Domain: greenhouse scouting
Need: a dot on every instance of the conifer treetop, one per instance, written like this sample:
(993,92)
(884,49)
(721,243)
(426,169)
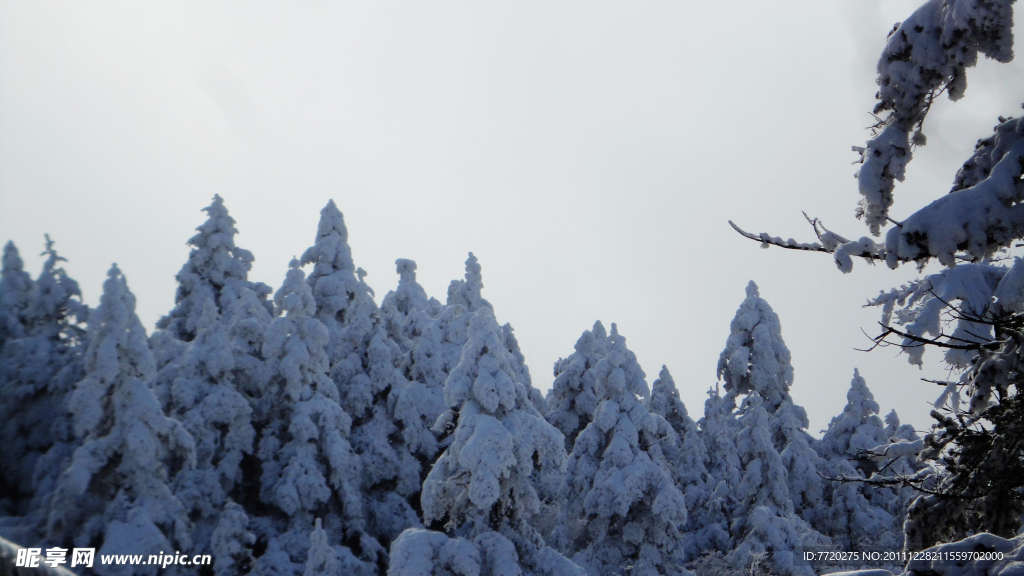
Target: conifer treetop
(409,295)
(57,297)
(858,428)
(483,480)
(468,292)
(215,269)
(15,294)
(756,358)
(126,435)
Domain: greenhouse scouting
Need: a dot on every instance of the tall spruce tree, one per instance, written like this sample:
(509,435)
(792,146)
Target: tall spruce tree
(115,494)
(622,509)
(502,462)
(38,369)
(573,396)
(689,466)
(764,519)
(308,467)
(756,358)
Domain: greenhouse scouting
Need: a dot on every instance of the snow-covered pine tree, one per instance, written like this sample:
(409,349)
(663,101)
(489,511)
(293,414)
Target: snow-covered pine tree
(15,294)
(204,398)
(216,269)
(231,542)
(803,465)
(756,358)
(115,494)
(764,518)
(344,303)
(391,416)
(419,399)
(690,464)
(718,429)
(500,465)
(37,372)
(321,560)
(439,348)
(857,430)
(573,397)
(308,467)
(405,308)
(621,510)
(857,516)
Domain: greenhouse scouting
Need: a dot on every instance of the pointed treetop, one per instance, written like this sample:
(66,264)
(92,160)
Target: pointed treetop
(756,358)
(344,303)
(295,297)
(468,292)
(859,398)
(331,251)
(665,401)
(216,236)
(56,289)
(15,294)
(216,269)
(858,428)
(12,260)
(619,370)
(117,342)
(892,423)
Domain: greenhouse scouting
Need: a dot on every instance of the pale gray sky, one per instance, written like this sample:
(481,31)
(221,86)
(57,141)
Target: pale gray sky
(589,153)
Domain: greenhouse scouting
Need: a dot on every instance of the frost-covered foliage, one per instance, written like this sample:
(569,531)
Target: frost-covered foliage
(15,294)
(622,509)
(977,293)
(38,369)
(756,358)
(504,458)
(231,542)
(216,270)
(308,467)
(858,513)
(503,462)
(439,347)
(718,429)
(405,309)
(391,415)
(690,460)
(205,399)
(344,303)
(926,54)
(764,517)
(857,430)
(802,464)
(574,396)
(115,493)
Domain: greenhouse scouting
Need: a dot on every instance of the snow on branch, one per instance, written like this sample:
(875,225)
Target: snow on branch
(828,241)
(925,55)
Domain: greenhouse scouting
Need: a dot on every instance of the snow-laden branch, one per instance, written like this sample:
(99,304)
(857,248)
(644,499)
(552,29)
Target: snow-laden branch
(925,55)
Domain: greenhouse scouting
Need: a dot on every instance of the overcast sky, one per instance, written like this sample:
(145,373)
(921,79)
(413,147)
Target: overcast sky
(589,153)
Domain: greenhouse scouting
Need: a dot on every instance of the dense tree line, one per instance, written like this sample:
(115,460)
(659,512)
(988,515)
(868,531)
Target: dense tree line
(315,431)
